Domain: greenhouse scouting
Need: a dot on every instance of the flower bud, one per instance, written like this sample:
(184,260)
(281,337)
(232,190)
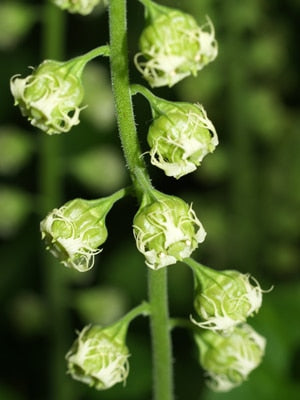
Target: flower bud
(74,232)
(82,7)
(166,230)
(224,299)
(51,95)
(180,137)
(99,356)
(173,45)
(229,360)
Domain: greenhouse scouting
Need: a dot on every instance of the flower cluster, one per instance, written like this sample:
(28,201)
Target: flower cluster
(173,46)
(229,348)
(166,228)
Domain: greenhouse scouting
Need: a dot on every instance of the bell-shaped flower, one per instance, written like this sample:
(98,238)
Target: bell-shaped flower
(173,46)
(228,360)
(223,299)
(166,230)
(74,232)
(51,96)
(180,136)
(99,356)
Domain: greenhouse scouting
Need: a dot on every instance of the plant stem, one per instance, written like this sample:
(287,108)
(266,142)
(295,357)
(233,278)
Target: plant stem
(50,183)
(98,51)
(122,95)
(78,63)
(157,280)
(160,330)
(142,309)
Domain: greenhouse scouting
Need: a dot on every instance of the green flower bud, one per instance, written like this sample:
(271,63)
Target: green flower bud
(180,137)
(166,230)
(224,299)
(74,232)
(82,7)
(229,360)
(99,356)
(51,95)
(173,46)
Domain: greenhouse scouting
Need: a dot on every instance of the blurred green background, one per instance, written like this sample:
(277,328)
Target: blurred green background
(247,195)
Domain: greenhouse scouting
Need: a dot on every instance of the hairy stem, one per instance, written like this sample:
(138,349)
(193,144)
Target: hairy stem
(122,95)
(161,341)
(160,329)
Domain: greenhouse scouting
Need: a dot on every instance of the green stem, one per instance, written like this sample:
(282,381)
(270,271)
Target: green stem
(142,309)
(183,323)
(196,267)
(160,330)
(98,51)
(122,95)
(203,272)
(136,88)
(50,183)
(78,63)
(161,341)
(152,99)
(113,197)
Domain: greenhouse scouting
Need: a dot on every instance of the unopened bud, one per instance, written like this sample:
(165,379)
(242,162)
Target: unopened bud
(228,360)
(173,46)
(74,232)
(99,356)
(224,299)
(50,97)
(180,137)
(166,230)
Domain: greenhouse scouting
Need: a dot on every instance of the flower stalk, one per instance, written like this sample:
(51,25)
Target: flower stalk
(157,280)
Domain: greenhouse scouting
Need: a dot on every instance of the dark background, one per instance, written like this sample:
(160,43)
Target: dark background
(247,195)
